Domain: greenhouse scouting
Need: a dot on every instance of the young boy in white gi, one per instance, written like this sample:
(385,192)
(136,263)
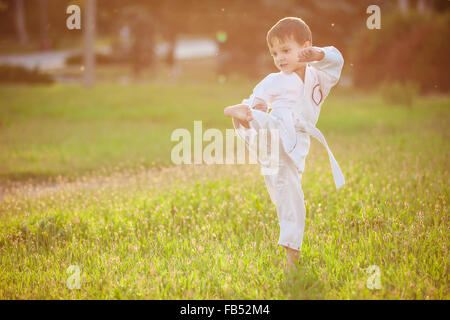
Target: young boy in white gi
(295,96)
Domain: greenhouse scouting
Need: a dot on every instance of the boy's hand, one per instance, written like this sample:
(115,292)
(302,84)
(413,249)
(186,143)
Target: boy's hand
(310,54)
(260,106)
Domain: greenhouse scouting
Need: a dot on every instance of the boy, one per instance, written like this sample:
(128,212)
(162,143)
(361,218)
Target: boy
(295,95)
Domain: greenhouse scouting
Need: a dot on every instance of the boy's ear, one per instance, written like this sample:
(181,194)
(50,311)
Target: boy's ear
(307,44)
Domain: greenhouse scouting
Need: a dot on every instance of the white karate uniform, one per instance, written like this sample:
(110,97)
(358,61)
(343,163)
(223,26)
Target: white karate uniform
(295,110)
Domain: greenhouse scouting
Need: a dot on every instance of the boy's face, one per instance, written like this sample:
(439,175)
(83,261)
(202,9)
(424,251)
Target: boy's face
(285,54)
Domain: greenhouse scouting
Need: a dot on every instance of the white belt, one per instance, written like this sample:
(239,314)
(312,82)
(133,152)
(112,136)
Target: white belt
(306,127)
(295,124)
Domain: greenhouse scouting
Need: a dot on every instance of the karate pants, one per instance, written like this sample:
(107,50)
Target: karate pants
(286,193)
(285,188)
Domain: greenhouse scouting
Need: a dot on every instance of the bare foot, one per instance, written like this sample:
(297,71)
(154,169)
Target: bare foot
(240,111)
(291,258)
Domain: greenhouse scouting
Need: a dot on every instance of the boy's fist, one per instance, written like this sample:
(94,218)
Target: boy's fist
(310,54)
(260,106)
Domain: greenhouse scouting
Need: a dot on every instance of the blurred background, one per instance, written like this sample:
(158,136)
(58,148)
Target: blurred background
(143,40)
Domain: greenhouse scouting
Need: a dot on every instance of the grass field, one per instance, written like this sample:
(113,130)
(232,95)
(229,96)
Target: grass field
(86,180)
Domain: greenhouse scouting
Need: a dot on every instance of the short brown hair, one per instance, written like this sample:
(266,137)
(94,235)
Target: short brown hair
(290,27)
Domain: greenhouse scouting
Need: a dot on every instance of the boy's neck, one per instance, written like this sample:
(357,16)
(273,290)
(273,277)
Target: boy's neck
(301,72)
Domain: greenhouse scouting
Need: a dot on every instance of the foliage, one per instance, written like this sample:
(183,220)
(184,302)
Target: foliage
(100,58)
(18,74)
(408,47)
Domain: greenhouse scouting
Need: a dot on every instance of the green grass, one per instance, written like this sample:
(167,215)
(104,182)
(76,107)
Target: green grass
(63,129)
(139,227)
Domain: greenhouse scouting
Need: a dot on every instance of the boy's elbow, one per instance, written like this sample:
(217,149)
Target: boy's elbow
(339,57)
(334,55)
(340,64)
(341,61)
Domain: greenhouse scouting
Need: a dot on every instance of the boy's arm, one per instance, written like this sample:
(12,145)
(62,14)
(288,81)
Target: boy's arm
(328,61)
(261,105)
(262,95)
(255,103)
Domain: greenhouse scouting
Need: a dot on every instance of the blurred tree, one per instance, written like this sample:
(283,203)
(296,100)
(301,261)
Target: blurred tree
(44,40)
(143,29)
(403,5)
(143,45)
(89,42)
(20,22)
(409,47)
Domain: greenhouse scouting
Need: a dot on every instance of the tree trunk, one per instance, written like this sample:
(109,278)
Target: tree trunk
(44,41)
(403,6)
(422,6)
(20,22)
(89,42)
